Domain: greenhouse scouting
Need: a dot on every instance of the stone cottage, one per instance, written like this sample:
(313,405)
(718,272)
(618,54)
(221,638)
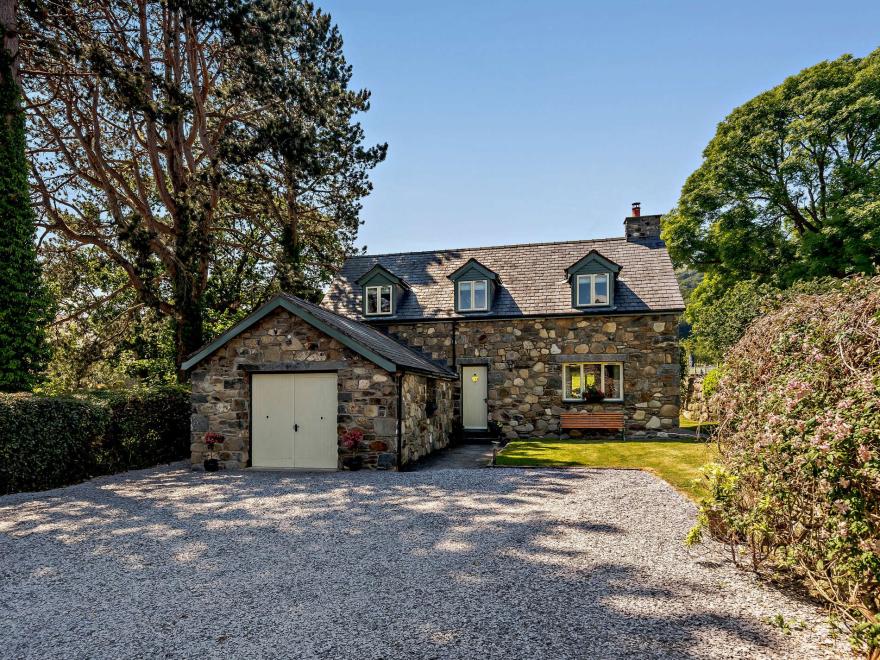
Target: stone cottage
(406,347)
(529,328)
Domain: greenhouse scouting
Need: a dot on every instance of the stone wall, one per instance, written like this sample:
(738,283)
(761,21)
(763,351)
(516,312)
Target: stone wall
(221,389)
(694,405)
(525,356)
(423,433)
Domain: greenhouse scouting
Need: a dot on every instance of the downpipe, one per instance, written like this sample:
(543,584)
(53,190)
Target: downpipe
(399,379)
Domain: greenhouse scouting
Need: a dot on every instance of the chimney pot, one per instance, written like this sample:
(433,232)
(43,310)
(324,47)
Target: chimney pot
(637,209)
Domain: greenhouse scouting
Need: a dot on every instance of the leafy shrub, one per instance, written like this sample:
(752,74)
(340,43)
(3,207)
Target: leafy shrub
(46,442)
(797,487)
(146,428)
(719,316)
(710,382)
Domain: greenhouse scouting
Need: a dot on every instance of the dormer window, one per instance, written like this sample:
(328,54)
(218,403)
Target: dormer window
(383,291)
(472,295)
(592,281)
(474,287)
(380,301)
(592,289)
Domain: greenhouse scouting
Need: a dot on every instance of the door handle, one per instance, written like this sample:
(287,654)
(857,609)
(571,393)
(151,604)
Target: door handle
(295,428)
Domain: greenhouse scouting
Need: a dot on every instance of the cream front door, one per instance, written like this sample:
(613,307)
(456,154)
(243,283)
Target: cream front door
(474,411)
(293,424)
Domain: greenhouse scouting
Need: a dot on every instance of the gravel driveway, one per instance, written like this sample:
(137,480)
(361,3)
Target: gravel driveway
(440,564)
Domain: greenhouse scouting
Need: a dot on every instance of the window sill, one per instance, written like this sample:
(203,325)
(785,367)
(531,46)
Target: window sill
(602,401)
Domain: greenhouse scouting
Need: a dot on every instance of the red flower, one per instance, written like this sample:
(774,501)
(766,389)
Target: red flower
(351,439)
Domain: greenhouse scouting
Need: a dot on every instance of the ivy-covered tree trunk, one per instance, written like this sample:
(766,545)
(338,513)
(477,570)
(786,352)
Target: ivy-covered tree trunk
(189,283)
(22,297)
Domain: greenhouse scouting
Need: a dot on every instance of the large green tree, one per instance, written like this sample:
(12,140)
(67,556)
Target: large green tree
(789,187)
(23,307)
(157,141)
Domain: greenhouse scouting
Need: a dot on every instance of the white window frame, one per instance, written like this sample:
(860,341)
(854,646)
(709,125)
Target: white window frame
(580,365)
(592,278)
(472,308)
(378,289)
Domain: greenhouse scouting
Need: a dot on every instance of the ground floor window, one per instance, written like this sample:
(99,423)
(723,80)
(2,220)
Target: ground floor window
(581,377)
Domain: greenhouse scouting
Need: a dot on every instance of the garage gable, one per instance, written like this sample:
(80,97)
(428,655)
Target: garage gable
(367,342)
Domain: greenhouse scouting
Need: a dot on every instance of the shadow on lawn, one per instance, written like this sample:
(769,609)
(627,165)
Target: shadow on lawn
(385,562)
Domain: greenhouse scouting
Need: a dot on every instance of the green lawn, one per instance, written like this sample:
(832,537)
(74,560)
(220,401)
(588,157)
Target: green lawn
(678,461)
(685,423)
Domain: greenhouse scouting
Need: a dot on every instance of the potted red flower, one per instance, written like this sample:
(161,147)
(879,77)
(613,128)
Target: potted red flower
(212,440)
(350,441)
(591,393)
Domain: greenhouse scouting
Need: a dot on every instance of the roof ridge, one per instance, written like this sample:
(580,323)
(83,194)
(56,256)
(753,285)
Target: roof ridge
(490,247)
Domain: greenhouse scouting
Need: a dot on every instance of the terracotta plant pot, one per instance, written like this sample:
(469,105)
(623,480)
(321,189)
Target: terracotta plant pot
(211,465)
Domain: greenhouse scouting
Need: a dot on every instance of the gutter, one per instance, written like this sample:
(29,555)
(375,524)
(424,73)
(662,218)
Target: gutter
(454,354)
(514,317)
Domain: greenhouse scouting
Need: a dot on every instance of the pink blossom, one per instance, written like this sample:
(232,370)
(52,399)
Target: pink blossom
(796,391)
(841,506)
(864,453)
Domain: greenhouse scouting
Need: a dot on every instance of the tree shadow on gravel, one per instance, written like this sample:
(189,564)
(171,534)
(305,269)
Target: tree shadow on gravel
(451,564)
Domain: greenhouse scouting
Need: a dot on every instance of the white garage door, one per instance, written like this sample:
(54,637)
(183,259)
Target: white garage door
(293,422)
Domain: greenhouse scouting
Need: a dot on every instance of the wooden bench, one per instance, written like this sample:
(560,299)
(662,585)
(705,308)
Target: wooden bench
(605,421)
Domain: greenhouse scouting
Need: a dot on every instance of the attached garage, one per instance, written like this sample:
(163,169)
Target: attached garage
(287,383)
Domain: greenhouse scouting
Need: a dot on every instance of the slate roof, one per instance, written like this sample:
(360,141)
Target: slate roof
(379,342)
(533,279)
(361,338)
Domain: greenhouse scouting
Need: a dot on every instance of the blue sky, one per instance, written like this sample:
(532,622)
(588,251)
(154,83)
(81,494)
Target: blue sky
(515,121)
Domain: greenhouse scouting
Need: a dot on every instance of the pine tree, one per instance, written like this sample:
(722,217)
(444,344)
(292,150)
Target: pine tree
(157,146)
(23,300)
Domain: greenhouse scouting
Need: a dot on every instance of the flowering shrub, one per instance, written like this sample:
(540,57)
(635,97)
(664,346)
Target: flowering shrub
(212,439)
(351,439)
(797,487)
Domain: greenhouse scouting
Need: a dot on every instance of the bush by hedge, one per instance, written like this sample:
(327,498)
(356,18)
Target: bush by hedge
(46,442)
(797,487)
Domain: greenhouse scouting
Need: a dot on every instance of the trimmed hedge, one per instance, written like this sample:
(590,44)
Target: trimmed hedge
(46,442)
(796,490)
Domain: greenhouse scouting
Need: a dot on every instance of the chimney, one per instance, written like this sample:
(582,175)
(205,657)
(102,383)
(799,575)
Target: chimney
(642,228)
